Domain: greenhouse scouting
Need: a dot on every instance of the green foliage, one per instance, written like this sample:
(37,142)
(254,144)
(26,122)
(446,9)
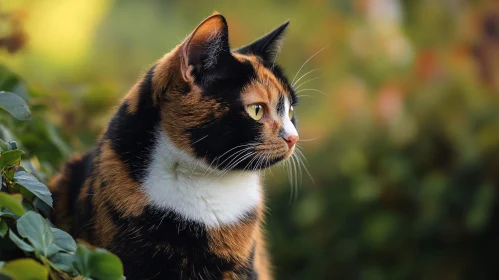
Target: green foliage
(11,203)
(25,232)
(14,105)
(98,264)
(30,185)
(403,146)
(25,269)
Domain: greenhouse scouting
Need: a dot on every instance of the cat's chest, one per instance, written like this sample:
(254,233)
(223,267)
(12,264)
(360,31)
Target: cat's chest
(211,201)
(178,183)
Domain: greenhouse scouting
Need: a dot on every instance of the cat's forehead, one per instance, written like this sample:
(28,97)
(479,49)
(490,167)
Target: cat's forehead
(266,87)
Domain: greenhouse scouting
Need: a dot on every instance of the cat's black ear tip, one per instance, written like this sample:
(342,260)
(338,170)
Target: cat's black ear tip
(280,31)
(284,25)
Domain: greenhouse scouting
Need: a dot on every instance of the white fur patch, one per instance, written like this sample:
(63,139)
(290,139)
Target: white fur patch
(177,181)
(288,127)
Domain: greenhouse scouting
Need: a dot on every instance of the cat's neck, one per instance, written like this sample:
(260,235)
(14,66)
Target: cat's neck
(178,182)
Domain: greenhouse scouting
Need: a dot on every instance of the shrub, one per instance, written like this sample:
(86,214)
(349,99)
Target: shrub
(30,246)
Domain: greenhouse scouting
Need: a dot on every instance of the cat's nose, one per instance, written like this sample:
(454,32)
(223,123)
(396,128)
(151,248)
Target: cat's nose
(291,140)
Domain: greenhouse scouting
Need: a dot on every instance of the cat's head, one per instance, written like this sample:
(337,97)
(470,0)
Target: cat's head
(231,109)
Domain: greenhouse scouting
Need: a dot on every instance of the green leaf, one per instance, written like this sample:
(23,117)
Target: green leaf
(9,177)
(99,264)
(80,261)
(105,265)
(42,207)
(21,90)
(63,261)
(10,158)
(4,146)
(7,213)
(52,249)
(20,243)
(15,105)
(25,269)
(34,186)
(3,228)
(36,229)
(12,202)
(63,240)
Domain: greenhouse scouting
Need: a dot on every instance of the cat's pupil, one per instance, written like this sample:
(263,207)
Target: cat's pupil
(257,109)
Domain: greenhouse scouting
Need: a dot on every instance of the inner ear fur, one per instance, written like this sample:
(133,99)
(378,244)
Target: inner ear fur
(203,49)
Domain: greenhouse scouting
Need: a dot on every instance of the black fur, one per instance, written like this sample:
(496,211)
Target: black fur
(267,46)
(132,135)
(80,170)
(160,244)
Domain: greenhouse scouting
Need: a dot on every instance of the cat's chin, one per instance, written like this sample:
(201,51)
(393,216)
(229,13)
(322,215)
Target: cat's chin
(277,159)
(259,161)
(255,165)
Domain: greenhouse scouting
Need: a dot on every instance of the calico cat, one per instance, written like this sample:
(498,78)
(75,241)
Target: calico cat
(173,186)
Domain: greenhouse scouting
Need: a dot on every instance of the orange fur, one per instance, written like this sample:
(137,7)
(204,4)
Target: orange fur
(262,260)
(123,192)
(106,230)
(235,242)
(132,98)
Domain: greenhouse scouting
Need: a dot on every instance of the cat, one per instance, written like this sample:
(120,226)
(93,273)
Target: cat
(173,186)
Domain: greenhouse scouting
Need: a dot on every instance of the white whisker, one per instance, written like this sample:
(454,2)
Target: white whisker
(295,178)
(306,82)
(241,159)
(304,75)
(199,139)
(288,168)
(300,153)
(307,140)
(310,89)
(305,64)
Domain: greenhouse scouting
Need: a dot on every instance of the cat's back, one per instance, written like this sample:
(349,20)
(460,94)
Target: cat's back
(66,188)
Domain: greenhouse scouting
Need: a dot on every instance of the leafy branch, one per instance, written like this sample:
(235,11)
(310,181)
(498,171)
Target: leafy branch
(30,246)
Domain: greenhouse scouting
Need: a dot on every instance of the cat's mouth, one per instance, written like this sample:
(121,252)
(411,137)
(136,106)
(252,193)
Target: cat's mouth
(253,158)
(273,154)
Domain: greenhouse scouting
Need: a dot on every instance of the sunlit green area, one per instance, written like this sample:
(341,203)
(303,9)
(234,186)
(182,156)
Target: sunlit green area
(398,116)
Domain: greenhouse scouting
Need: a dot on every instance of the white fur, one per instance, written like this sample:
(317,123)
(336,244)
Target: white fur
(288,127)
(177,181)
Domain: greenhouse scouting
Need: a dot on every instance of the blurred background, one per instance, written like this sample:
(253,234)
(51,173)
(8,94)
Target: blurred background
(402,145)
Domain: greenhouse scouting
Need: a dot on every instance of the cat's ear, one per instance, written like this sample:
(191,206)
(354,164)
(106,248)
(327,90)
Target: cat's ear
(206,47)
(267,46)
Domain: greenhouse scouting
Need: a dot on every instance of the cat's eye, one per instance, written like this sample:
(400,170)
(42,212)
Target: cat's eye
(255,111)
(290,113)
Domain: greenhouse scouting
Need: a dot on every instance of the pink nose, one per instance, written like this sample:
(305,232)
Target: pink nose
(291,140)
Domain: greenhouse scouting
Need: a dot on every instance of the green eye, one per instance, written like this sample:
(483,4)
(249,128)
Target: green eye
(290,113)
(255,111)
